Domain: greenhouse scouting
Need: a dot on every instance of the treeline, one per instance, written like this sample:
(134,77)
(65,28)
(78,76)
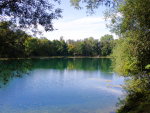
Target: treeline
(16,43)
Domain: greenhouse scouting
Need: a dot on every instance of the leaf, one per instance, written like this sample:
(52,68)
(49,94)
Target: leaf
(147,67)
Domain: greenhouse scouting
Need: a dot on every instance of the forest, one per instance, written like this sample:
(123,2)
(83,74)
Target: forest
(16,44)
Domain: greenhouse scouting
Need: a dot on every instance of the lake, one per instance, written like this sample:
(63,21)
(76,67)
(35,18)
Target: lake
(59,85)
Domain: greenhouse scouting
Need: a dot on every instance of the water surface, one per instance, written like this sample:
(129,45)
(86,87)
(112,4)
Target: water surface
(59,86)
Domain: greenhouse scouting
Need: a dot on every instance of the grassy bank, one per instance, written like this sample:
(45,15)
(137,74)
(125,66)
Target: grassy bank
(56,57)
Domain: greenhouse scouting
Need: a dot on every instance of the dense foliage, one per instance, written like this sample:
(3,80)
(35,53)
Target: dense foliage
(27,13)
(11,42)
(132,53)
(16,43)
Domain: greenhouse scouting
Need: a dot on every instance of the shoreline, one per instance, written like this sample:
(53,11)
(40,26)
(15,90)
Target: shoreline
(55,57)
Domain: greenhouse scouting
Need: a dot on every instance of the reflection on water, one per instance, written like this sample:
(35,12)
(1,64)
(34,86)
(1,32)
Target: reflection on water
(16,68)
(13,68)
(58,85)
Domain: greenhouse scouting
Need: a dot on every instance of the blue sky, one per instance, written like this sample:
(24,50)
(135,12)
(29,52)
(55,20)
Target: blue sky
(75,24)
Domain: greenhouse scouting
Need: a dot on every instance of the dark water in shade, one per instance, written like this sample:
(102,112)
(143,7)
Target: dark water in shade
(59,86)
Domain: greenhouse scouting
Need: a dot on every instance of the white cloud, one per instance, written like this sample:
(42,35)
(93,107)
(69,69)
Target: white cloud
(79,29)
(86,20)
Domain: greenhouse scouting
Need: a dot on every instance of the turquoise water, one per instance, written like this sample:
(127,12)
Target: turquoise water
(59,86)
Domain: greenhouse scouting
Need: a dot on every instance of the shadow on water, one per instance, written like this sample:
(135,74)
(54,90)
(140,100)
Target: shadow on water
(13,68)
(17,68)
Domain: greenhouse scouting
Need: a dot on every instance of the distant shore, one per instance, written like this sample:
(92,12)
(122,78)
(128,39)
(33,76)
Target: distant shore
(56,57)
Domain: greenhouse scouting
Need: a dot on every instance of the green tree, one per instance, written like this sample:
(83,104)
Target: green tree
(78,47)
(11,41)
(107,43)
(134,30)
(61,47)
(106,37)
(30,12)
(31,46)
(71,49)
(132,53)
(90,47)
